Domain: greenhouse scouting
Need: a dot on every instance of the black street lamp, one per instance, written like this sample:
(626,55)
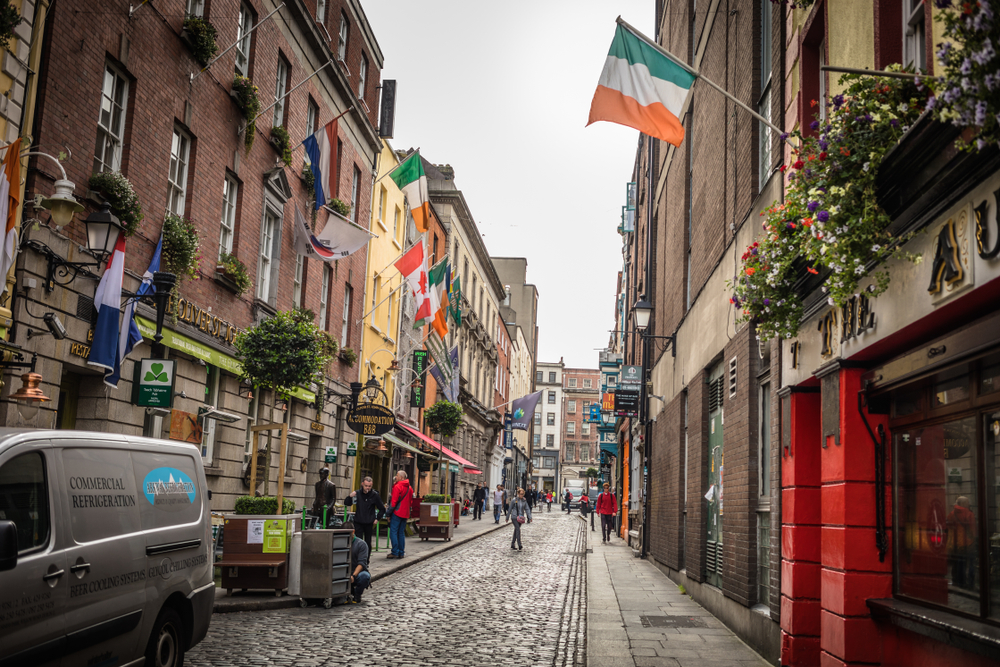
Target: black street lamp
(163,284)
(103,229)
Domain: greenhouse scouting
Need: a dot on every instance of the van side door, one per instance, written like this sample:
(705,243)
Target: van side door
(33,593)
(107,556)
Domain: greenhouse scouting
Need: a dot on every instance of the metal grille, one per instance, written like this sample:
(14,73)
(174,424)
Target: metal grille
(715,389)
(85,308)
(732,377)
(712,556)
(763,558)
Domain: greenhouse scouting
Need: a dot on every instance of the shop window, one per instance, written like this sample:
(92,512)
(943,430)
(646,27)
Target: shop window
(989,376)
(210,426)
(111,121)
(24,499)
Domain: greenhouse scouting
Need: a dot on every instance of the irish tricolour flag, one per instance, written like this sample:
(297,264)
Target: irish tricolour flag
(410,178)
(641,88)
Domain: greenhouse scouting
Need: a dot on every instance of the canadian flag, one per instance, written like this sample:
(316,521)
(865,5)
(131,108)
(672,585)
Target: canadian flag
(413,266)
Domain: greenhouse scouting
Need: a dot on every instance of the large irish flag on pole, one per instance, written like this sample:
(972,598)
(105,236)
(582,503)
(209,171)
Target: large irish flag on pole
(410,178)
(641,88)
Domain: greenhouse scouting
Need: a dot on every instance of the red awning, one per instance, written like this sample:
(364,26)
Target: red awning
(469,466)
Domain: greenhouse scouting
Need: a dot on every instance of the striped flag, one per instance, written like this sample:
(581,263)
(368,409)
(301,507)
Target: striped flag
(108,301)
(437,285)
(410,178)
(10,196)
(129,336)
(413,266)
(641,88)
(322,151)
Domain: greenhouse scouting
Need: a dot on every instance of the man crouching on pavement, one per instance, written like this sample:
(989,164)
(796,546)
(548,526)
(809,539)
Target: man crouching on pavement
(360,577)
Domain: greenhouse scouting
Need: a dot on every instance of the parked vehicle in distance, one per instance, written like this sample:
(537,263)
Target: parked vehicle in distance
(104,549)
(577,487)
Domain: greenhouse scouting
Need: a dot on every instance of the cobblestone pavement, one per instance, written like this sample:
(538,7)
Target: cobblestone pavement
(479,604)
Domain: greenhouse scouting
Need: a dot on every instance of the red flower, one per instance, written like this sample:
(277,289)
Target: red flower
(813,103)
(845,152)
(783,168)
(822,156)
(798,164)
(807,222)
(751,271)
(812,271)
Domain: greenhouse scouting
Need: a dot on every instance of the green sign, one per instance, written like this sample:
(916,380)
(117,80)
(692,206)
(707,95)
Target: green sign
(331,455)
(352,448)
(153,383)
(275,536)
(453,468)
(444,513)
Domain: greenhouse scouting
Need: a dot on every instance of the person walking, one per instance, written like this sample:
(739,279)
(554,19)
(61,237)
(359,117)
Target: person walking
(361,578)
(520,513)
(399,512)
(548,500)
(370,509)
(607,507)
(498,502)
(568,497)
(479,499)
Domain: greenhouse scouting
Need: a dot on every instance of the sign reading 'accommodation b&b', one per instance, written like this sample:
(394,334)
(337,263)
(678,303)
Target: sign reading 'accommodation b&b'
(153,383)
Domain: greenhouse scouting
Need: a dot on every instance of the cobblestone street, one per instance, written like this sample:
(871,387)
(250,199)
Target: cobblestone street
(478,604)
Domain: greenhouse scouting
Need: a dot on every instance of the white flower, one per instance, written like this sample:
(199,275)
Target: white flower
(831,301)
(876,247)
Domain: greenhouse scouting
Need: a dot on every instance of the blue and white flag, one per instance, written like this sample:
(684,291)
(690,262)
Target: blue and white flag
(130,336)
(108,301)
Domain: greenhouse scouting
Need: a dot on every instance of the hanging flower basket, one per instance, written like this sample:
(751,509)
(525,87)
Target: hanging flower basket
(235,273)
(115,189)
(282,143)
(340,207)
(181,243)
(200,36)
(246,96)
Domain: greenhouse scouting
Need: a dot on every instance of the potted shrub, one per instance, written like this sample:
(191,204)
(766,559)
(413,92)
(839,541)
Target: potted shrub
(115,189)
(262,505)
(247,99)
(282,143)
(340,207)
(180,246)
(233,271)
(200,37)
(348,356)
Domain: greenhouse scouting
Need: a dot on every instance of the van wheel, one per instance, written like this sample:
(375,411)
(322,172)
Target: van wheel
(166,642)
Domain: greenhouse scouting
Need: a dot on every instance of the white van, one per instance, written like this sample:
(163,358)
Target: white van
(104,549)
(577,487)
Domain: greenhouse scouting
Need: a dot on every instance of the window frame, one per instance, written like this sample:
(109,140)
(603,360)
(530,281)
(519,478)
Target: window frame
(363,77)
(300,264)
(343,37)
(213,381)
(107,133)
(345,331)
(281,73)
(230,206)
(244,39)
(324,297)
(267,286)
(176,180)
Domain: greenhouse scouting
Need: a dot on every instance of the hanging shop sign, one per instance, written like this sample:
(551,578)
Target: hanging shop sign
(153,383)
(631,377)
(627,402)
(331,455)
(595,413)
(608,402)
(352,448)
(371,419)
(630,196)
(419,367)
(185,427)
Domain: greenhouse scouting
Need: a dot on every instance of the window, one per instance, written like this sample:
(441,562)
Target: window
(195,8)
(570,428)
(376,288)
(571,451)
(689,137)
(945,433)
(280,88)
(324,297)
(23,477)
(550,440)
(552,397)
(536,461)
(586,407)
(538,376)
(764,104)
(552,376)
(180,153)
(536,439)
(297,283)
(312,116)
(345,328)
(914,41)
(538,419)
(381,205)
(549,462)
(210,425)
(230,191)
(355,194)
(342,38)
(764,437)
(388,318)
(571,407)
(320,11)
(267,264)
(587,383)
(396,227)
(572,383)
(111,122)
(764,495)
(243,40)
(550,419)
(612,381)
(362,76)
(585,428)
(584,451)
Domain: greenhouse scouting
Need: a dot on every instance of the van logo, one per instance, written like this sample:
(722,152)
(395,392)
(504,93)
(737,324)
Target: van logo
(167,486)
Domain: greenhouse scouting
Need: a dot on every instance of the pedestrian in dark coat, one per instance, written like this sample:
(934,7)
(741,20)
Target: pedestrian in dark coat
(370,509)
(478,500)
(520,512)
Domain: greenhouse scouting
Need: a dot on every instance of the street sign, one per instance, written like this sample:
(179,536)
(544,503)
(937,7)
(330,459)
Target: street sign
(627,403)
(352,448)
(153,383)
(631,377)
(331,455)
(371,419)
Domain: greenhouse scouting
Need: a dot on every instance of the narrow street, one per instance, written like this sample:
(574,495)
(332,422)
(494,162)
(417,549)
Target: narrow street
(478,604)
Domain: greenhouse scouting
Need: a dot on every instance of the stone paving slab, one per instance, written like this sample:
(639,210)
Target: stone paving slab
(623,590)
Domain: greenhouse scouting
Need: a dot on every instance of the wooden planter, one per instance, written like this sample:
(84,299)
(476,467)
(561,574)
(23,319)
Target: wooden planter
(245,564)
(431,526)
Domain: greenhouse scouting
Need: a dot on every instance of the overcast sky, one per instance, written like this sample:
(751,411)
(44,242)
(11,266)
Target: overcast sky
(501,91)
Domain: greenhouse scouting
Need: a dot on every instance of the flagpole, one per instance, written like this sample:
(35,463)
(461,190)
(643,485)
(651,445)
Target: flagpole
(375,307)
(702,77)
(341,115)
(399,256)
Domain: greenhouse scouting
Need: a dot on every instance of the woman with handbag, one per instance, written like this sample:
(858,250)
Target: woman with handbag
(520,513)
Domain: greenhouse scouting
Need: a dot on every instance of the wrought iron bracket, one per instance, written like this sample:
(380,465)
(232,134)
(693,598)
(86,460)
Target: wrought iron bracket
(61,272)
(881,539)
(17,360)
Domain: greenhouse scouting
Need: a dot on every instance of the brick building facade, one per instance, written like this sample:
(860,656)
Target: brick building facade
(580,388)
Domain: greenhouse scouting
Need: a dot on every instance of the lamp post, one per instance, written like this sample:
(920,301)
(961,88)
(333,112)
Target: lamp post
(163,284)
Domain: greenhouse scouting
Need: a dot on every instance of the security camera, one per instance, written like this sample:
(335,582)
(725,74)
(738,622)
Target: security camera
(55,326)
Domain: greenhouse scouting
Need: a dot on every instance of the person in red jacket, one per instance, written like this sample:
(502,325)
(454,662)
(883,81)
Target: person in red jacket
(399,510)
(607,507)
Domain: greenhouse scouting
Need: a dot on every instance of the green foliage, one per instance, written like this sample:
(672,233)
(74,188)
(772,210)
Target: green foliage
(282,352)
(203,35)
(309,182)
(180,246)
(118,192)
(237,272)
(968,95)
(444,417)
(349,357)
(283,142)
(248,100)
(267,505)
(681,589)
(593,473)
(9,20)
(340,207)
(830,218)
(436,498)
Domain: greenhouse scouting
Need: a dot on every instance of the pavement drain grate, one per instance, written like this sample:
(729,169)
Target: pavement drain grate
(671,622)
(577,553)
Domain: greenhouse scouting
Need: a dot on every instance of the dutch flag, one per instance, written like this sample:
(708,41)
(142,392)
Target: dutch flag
(130,336)
(108,301)
(322,151)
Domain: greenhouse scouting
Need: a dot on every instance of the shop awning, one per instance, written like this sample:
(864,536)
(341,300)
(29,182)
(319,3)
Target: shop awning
(469,466)
(611,448)
(400,443)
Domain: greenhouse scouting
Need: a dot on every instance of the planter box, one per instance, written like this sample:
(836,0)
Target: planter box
(246,564)
(431,526)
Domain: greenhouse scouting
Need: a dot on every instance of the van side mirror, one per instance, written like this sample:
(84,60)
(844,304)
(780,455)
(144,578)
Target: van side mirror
(8,545)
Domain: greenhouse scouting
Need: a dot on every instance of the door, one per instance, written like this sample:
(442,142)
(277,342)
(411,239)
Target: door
(716,465)
(33,593)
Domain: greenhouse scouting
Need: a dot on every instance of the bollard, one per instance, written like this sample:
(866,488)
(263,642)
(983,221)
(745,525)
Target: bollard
(324,517)
(376,535)
(303,517)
